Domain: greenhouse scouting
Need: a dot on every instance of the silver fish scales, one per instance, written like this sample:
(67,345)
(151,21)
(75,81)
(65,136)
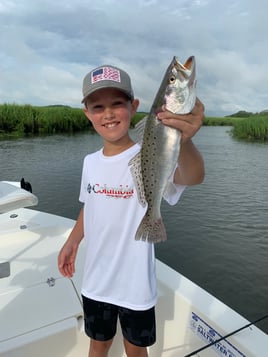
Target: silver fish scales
(160,146)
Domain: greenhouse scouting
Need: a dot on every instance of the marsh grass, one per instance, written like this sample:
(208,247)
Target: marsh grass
(254,128)
(251,128)
(23,120)
(220,121)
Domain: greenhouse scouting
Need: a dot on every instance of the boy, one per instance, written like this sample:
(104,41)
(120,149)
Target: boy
(119,275)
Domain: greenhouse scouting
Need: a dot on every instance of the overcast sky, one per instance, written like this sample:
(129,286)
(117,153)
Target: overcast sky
(47,47)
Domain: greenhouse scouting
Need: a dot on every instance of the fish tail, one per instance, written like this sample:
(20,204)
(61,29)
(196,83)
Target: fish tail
(151,231)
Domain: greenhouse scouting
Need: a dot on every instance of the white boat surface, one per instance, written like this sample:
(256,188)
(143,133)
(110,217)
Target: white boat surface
(41,312)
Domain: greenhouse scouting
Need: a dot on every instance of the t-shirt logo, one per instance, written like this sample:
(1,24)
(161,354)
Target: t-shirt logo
(123,191)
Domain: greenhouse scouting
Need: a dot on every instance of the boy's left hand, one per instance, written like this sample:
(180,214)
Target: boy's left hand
(188,124)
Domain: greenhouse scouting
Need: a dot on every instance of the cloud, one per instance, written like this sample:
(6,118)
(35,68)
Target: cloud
(47,47)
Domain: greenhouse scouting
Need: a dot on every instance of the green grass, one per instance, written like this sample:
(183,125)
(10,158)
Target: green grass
(254,128)
(25,120)
(137,117)
(220,121)
(251,128)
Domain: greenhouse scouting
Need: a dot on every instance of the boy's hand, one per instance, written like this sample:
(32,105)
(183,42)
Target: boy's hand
(188,124)
(66,260)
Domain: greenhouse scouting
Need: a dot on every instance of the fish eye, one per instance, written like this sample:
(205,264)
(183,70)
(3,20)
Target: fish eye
(172,79)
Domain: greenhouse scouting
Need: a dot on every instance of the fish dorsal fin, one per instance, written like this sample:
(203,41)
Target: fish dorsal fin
(139,129)
(135,169)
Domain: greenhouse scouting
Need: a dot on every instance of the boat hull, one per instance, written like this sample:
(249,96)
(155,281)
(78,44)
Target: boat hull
(41,312)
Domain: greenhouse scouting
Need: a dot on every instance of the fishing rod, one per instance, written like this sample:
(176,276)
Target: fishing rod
(228,335)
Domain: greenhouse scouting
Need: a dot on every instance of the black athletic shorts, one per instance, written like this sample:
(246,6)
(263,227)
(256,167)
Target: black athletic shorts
(138,327)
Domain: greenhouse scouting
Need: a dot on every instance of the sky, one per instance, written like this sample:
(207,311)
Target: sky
(48,46)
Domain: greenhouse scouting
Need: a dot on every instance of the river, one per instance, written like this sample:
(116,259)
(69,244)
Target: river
(217,233)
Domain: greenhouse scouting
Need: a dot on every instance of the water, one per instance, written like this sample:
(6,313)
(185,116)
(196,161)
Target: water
(217,234)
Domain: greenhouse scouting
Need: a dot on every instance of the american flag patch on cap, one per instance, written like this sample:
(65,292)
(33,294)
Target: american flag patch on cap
(105,73)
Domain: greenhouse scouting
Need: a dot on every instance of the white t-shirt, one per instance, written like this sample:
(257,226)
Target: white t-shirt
(118,269)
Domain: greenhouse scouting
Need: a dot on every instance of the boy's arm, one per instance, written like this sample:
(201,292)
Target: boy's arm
(67,255)
(191,170)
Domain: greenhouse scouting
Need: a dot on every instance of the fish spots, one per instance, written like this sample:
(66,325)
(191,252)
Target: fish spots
(160,146)
(135,168)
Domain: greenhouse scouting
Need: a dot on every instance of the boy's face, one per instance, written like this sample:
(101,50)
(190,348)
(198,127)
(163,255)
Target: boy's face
(110,112)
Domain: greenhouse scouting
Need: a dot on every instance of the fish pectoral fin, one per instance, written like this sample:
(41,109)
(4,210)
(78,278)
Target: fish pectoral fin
(151,231)
(135,169)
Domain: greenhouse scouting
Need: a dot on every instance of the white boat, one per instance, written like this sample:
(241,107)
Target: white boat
(41,312)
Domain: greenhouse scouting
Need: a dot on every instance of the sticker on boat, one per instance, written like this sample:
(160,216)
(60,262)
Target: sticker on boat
(207,333)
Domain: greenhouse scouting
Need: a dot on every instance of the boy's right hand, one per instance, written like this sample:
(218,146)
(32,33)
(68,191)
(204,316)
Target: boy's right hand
(66,259)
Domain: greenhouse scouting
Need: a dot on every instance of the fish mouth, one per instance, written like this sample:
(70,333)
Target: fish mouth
(184,71)
(187,66)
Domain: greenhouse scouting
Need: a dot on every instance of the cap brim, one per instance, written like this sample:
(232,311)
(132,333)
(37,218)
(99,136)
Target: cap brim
(107,86)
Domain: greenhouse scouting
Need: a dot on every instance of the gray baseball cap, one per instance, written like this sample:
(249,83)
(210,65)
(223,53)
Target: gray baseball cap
(107,76)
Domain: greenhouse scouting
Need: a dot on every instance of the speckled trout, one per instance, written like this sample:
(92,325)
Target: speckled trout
(160,146)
